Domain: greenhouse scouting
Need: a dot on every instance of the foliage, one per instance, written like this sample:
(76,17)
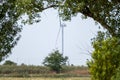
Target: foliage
(8,62)
(11,12)
(105,57)
(9,29)
(105,12)
(30,8)
(108,17)
(55,61)
(117,74)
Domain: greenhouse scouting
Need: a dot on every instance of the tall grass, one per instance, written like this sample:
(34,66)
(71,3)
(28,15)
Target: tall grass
(72,78)
(41,71)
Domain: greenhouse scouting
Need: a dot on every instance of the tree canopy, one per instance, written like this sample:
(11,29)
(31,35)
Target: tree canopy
(55,61)
(105,57)
(105,12)
(9,29)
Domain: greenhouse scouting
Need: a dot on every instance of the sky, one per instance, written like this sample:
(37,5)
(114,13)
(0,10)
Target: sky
(40,39)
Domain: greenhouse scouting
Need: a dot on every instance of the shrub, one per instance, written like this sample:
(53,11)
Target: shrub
(105,58)
(55,61)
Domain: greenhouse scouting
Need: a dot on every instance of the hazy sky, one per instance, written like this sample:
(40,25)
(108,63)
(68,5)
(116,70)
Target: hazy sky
(38,40)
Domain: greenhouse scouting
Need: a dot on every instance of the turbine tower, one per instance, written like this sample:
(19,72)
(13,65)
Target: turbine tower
(62,25)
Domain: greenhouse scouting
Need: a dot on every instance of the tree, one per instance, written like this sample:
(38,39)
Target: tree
(8,62)
(11,12)
(55,61)
(105,57)
(9,29)
(105,12)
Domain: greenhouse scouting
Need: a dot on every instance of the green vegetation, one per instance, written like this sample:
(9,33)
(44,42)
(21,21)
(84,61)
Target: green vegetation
(105,57)
(55,61)
(41,71)
(117,74)
(9,29)
(72,78)
(22,71)
(8,62)
(105,12)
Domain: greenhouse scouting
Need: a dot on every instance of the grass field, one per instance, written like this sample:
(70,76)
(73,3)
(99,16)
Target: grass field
(74,78)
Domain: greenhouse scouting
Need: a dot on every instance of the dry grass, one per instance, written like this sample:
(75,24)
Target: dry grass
(74,78)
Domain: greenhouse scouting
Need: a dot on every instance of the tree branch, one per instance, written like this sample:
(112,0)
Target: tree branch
(51,6)
(86,11)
